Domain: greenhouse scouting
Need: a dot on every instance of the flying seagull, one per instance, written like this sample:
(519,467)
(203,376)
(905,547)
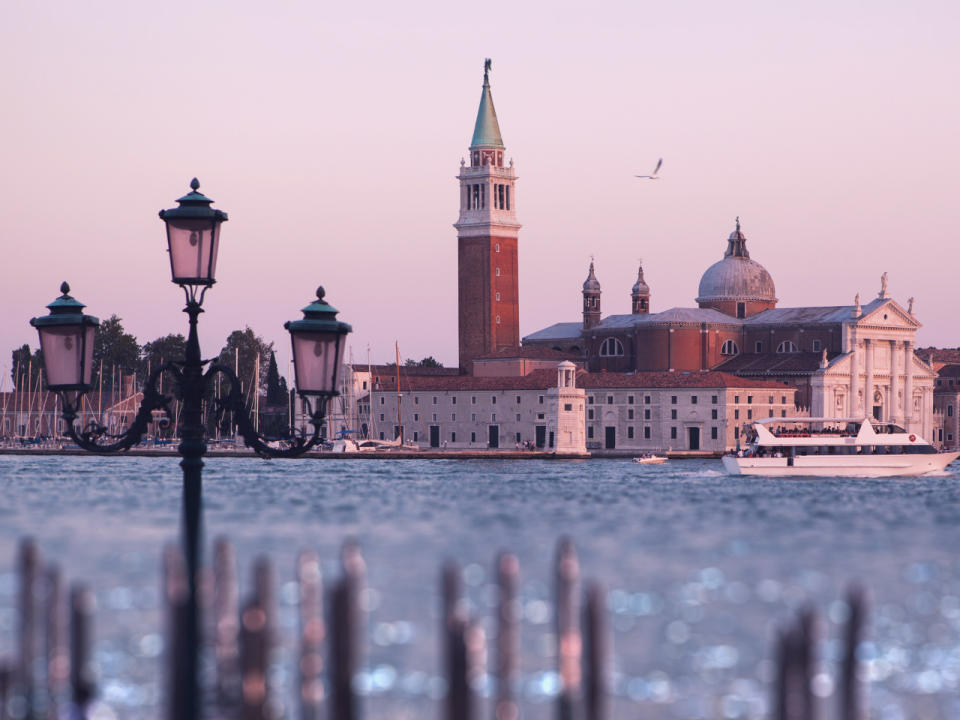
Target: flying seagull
(655,171)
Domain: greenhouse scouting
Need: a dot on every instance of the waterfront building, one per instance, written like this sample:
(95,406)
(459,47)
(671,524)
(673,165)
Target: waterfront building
(544,408)
(566,410)
(946,395)
(487,231)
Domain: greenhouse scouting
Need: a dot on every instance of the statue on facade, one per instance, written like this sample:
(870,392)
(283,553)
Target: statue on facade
(883,286)
(856,306)
(910,306)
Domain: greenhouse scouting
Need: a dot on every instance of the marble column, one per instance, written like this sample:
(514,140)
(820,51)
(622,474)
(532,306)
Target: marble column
(868,381)
(893,411)
(908,385)
(854,381)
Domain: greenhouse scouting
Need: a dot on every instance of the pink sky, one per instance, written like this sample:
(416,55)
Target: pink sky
(332,134)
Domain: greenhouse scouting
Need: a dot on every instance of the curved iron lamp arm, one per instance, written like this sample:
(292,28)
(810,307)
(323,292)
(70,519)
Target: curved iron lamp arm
(296,443)
(89,438)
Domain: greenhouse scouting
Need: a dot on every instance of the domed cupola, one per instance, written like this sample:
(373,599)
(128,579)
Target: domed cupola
(737,285)
(640,294)
(591,300)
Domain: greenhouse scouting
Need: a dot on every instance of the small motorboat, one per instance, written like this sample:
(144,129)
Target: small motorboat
(650,459)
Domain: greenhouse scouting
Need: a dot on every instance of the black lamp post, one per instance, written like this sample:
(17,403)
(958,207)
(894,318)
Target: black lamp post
(66,338)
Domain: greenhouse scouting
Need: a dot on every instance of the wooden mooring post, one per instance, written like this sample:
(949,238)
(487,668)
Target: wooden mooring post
(509,614)
(312,636)
(569,641)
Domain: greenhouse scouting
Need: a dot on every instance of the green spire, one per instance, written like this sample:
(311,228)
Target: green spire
(486,132)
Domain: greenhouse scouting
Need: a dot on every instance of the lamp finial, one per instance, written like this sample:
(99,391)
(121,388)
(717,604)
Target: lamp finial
(320,293)
(65,288)
(194,184)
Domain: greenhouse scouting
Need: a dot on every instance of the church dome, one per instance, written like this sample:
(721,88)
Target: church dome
(640,287)
(591,284)
(736,277)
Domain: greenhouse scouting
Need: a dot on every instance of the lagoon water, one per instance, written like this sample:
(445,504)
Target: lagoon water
(700,568)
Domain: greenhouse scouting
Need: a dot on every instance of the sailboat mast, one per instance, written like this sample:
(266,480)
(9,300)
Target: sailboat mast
(396,346)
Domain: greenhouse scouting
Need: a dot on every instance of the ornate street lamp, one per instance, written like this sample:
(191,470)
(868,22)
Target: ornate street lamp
(66,338)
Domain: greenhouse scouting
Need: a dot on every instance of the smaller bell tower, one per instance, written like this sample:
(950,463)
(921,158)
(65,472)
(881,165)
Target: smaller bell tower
(640,294)
(591,300)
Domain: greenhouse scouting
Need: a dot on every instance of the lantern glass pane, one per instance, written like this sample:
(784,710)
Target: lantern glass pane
(316,360)
(91,332)
(62,347)
(193,249)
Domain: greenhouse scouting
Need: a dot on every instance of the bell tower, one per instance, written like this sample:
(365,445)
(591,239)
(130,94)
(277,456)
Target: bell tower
(487,229)
(591,300)
(640,294)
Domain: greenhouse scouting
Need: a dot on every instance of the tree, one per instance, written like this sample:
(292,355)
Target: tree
(427,362)
(23,362)
(117,350)
(240,353)
(162,350)
(276,385)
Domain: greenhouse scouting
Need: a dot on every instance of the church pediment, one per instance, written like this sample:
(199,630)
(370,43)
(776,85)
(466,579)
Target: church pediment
(887,314)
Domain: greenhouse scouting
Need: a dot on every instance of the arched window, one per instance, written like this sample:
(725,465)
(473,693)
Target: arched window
(729,348)
(611,347)
(787,346)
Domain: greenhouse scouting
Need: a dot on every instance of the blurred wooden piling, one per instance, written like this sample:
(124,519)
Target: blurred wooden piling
(569,643)
(852,700)
(57,649)
(83,673)
(226,613)
(454,651)
(346,625)
(29,569)
(176,603)
(596,651)
(264,596)
(312,635)
(6,687)
(254,651)
(509,613)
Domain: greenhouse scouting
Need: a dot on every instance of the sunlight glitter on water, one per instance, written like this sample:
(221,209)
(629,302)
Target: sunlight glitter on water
(700,567)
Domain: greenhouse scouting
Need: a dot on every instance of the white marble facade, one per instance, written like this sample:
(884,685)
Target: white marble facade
(878,374)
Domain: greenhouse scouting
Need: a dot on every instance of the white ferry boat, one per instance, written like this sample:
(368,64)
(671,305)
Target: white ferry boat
(834,447)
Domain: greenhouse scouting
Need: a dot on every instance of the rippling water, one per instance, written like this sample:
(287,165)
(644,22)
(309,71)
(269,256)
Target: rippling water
(700,567)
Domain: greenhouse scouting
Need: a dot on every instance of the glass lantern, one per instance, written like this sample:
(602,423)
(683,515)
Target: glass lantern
(193,238)
(66,340)
(318,341)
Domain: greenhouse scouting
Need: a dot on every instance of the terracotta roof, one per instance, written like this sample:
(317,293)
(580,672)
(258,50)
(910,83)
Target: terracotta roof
(951,371)
(405,370)
(797,363)
(545,379)
(531,352)
(537,380)
(698,379)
